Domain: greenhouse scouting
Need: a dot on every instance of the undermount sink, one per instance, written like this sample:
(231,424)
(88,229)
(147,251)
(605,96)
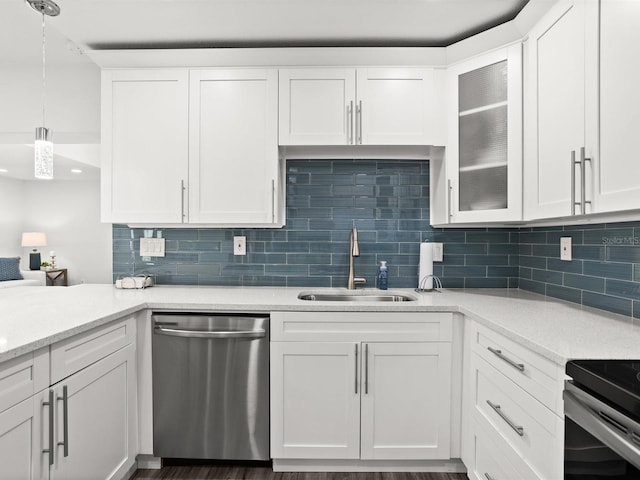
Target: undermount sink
(356,297)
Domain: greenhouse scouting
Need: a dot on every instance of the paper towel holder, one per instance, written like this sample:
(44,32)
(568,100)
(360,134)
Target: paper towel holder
(436,282)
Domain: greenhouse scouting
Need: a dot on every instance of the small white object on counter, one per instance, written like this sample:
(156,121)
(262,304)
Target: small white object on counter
(425,267)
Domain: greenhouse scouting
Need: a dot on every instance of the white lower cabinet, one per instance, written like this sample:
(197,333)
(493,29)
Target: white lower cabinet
(362,398)
(100,441)
(315,400)
(21,432)
(515,428)
(83,427)
(405,401)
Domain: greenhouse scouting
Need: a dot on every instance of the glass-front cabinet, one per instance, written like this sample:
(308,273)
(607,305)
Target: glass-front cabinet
(483,155)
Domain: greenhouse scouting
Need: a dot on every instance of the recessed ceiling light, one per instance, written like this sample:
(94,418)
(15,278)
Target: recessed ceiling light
(76,170)
(4,170)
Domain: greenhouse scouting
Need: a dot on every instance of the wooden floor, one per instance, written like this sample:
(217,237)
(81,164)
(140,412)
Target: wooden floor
(235,472)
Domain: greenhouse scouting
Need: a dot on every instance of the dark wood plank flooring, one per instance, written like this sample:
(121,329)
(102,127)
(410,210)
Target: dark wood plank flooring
(239,472)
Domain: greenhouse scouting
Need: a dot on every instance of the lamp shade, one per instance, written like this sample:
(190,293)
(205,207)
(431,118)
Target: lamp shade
(34,239)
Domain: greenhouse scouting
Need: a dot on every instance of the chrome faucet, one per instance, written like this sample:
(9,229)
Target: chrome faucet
(354,251)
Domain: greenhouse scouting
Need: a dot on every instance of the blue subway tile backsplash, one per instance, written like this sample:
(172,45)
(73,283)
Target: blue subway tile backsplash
(605,259)
(388,201)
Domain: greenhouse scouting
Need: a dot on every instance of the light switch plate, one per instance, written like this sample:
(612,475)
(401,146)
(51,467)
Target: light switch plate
(438,252)
(565,248)
(239,245)
(152,247)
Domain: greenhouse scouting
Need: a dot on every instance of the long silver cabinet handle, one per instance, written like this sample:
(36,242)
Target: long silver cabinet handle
(359,121)
(356,367)
(449,199)
(496,408)
(366,369)
(350,120)
(65,420)
(273,201)
(259,333)
(50,450)
(502,356)
(583,180)
(574,162)
(182,189)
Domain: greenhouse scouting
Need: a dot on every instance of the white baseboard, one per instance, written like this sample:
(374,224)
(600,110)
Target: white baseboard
(301,465)
(149,462)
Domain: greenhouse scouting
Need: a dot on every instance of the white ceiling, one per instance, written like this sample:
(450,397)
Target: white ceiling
(111,24)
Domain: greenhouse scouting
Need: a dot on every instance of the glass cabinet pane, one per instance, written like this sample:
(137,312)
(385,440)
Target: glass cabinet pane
(482,87)
(482,133)
(483,137)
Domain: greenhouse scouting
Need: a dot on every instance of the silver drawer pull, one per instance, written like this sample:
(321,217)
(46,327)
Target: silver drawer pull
(518,429)
(499,354)
(487,476)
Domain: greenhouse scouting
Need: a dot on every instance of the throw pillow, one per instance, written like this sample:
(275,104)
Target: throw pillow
(10,269)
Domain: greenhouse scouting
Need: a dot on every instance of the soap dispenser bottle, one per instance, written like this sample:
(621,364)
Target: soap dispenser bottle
(383,276)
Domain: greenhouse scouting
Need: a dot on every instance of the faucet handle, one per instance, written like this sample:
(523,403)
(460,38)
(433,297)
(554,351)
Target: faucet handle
(359,280)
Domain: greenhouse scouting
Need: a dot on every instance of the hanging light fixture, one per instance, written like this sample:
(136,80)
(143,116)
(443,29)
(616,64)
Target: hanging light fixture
(43,145)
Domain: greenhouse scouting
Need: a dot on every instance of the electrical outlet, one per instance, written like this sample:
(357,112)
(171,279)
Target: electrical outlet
(239,245)
(438,252)
(152,247)
(565,248)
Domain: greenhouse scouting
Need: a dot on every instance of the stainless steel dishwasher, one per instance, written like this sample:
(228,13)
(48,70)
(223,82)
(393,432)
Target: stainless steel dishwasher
(210,386)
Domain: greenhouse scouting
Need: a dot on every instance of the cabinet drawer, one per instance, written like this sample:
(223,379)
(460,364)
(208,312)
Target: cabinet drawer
(80,351)
(23,376)
(361,326)
(496,460)
(530,428)
(537,375)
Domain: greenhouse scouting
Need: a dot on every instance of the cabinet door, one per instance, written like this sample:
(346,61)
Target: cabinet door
(617,185)
(406,401)
(555,119)
(101,420)
(484,150)
(315,400)
(23,434)
(317,106)
(144,145)
(395,106)
(233,156)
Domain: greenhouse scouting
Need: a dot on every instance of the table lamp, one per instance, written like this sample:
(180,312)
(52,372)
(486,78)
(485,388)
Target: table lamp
(34,239)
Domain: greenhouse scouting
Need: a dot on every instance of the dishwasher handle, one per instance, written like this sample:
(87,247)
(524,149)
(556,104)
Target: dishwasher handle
(259,333)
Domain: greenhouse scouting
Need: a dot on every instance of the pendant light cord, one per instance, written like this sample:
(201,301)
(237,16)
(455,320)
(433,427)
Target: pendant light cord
(44,83)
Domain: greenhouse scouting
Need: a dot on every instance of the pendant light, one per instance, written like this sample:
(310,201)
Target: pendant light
(43,147)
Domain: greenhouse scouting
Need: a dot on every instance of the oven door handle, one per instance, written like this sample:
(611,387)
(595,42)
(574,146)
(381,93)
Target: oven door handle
(588,413)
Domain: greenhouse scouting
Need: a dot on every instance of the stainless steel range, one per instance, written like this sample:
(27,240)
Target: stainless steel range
(602,420)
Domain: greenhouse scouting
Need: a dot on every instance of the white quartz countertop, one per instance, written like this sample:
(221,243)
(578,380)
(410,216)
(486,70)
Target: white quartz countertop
(34,317)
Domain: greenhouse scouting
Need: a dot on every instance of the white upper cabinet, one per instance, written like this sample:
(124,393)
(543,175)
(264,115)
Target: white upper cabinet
(481,177)
(363,106)
(316,106)
(187,147)
(144,145)
(617,184)
(395,106)
(555,112)
(233,147)
(579,115)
